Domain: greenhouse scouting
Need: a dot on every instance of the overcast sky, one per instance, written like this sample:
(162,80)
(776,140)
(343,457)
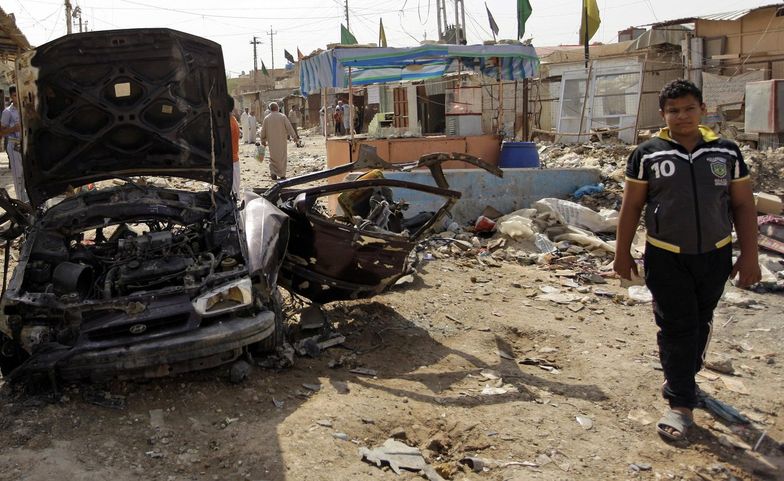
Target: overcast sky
(311,24)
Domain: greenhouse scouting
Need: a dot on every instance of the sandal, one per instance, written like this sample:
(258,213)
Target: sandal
(675,420)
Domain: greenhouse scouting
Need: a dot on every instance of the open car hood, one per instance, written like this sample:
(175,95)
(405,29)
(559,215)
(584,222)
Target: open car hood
(120,103)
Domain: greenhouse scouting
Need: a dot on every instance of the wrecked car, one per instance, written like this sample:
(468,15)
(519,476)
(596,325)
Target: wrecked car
(121,276)
(133,279)
(368,245)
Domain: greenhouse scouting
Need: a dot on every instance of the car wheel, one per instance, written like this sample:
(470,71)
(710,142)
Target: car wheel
(11,355)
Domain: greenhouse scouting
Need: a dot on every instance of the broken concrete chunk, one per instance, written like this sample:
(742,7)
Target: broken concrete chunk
(721,364)
(768,203)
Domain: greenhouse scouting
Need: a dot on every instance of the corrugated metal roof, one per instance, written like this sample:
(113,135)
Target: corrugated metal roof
(726,16)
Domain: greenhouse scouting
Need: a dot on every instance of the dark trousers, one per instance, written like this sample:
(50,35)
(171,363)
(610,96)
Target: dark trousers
(686,289)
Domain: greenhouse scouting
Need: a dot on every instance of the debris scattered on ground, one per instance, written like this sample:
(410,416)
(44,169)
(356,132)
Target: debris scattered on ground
(399,456)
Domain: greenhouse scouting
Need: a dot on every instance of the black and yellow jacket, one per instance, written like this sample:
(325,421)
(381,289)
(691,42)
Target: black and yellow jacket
(688,205)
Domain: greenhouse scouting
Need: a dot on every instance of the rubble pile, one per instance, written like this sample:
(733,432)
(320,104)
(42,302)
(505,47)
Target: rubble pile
(553,233)
(610,159)
(575,241)
(766,169)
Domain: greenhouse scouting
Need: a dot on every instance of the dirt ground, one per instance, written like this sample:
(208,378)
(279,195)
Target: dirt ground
(577,398)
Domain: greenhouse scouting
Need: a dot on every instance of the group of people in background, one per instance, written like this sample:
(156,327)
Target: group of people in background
(250,125)
(341,114)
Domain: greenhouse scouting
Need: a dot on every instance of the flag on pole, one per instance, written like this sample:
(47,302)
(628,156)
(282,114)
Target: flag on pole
(382,37)
(493,25)
(264,69)
(346,37)
(523,12)
(590,13)
(288,56)
(299,54)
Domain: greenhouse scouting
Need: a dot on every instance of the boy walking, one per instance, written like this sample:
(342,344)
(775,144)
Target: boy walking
(694,187)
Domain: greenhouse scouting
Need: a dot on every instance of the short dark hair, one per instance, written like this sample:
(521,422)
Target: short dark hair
(12,90)
(679,88)
(230,101)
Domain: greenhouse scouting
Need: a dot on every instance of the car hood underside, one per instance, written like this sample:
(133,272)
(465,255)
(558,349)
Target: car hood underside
(108,104)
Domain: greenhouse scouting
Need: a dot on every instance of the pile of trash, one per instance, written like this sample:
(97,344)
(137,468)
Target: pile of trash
(552,230)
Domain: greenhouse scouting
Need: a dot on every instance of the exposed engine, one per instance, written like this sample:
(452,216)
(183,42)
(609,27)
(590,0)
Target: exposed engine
(128,258)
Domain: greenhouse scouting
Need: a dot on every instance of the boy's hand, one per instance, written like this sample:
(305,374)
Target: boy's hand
(625,266)
(749,270)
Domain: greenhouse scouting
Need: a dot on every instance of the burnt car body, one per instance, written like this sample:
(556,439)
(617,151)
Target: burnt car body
(136,280)
(368,246)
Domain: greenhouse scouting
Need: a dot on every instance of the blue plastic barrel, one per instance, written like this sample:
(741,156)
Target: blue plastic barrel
(518,154)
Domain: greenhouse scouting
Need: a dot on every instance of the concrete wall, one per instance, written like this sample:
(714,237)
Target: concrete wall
(518,189)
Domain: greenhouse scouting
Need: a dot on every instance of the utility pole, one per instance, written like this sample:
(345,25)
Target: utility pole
(255,42)
(459,21)
(347,25)
(68,17)
(441,15)
(271,34)
(77,13)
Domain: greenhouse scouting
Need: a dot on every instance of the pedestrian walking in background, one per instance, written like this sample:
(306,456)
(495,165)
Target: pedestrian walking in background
(253,128)
(694,187)
(275,131)
(295,118)
(337,116)
(244,123)
(11,129)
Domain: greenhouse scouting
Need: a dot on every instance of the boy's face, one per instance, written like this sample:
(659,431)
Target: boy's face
(682,115)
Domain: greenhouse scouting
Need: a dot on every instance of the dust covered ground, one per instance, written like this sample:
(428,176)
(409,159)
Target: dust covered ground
(469,361)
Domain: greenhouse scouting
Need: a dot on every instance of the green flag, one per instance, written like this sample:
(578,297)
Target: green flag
(264,69)
(346,37)
(523,12)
